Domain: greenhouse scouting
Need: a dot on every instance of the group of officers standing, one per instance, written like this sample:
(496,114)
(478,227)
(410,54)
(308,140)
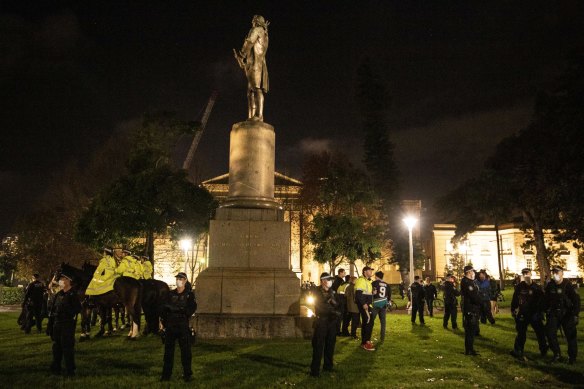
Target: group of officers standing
(361,299)
(174,312)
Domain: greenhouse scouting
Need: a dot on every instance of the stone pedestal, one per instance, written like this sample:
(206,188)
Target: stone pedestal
(249,289)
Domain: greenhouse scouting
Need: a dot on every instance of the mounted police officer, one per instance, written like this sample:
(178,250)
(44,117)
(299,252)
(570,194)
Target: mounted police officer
(450,302)
(562,306)
(129,266)
(328,313)
(104,275)
(174,324)
(471,309)
(61,328)
(33,304)
(526,310)
(147,268)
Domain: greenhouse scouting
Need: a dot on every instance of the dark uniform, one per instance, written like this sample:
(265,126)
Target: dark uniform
(33,303)
(431,294)
(417,297)
(61,328)
(175,315)
(328,313)
(562,306)
(450,304)
(526,309)
(471,310)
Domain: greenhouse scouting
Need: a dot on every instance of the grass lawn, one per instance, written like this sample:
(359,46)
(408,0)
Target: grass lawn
(411,357)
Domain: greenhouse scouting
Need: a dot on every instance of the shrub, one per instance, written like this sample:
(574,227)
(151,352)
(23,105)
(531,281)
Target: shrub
(10,295)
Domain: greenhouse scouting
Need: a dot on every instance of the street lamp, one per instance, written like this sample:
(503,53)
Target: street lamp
(410,222)
(186,244)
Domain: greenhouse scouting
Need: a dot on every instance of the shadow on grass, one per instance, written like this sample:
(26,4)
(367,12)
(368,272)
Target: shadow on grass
(422,331)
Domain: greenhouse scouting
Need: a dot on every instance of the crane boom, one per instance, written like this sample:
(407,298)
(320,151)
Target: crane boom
(197,137)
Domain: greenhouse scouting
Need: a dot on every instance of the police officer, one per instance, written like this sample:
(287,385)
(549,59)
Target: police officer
(364,299)
(417,297)
(431,295)
(33,304)
(327,312)
(104,275)
(175,315)
(526,310)
(129,266)
(146,268)
(562,306)
(471,309)
(61,328)
(450,302)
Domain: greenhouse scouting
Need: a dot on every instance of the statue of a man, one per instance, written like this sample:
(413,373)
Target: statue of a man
(252,59)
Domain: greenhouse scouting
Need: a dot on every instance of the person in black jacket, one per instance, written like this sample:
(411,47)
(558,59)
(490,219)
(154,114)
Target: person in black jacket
(471,309)
(328,313)
(61,328)
(175,315)
(526,310)
(562,307)
(417,295)
(431,294)
(33,303)
(450,302)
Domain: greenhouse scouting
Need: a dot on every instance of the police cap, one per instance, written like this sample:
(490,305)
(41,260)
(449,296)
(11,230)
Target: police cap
(181,275)
(557,269)
(326,276)
(468,268)
(526,271)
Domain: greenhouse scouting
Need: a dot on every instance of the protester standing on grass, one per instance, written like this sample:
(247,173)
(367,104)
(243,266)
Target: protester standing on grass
(175,315)
(328,313)
(417,299)
(352,308)
(562,305)
(431,294)
(33,304)
(381,297)
(526,310)
(364,299)
(450,302)
(61,328)
(485,294)
(471,309)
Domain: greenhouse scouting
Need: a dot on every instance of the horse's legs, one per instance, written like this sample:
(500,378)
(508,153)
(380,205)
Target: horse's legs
(117,316)
(108,319)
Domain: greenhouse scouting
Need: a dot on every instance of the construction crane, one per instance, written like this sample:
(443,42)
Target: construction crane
(199,132)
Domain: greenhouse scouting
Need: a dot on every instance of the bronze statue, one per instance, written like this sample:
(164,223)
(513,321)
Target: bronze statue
(252,59)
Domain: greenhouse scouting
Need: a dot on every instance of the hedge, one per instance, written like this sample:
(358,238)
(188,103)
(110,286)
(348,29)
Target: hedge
(11,295)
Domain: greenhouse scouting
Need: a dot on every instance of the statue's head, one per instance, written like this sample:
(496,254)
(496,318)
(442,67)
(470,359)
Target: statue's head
(259,21)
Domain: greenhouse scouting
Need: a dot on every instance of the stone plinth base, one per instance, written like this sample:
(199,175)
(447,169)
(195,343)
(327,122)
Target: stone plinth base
(248,291)
(209,326)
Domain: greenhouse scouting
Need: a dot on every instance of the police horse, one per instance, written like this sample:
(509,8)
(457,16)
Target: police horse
(126,290)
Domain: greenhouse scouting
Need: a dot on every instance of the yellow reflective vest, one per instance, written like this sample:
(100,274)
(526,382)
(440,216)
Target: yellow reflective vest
(103,278)
(129,267)
(364,286)
(342,288)
(147,270)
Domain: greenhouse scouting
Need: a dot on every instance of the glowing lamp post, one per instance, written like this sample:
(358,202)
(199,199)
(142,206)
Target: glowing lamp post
(410,223)
(186,244)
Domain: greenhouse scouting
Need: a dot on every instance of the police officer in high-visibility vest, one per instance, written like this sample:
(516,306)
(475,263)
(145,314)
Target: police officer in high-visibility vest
(364,299)
(471,309)
(104,275)
(526,309)
(327,312)
(562,307)
(129,266)
(146,268)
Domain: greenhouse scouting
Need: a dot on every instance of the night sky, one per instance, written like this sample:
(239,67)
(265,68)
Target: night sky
(462,75)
